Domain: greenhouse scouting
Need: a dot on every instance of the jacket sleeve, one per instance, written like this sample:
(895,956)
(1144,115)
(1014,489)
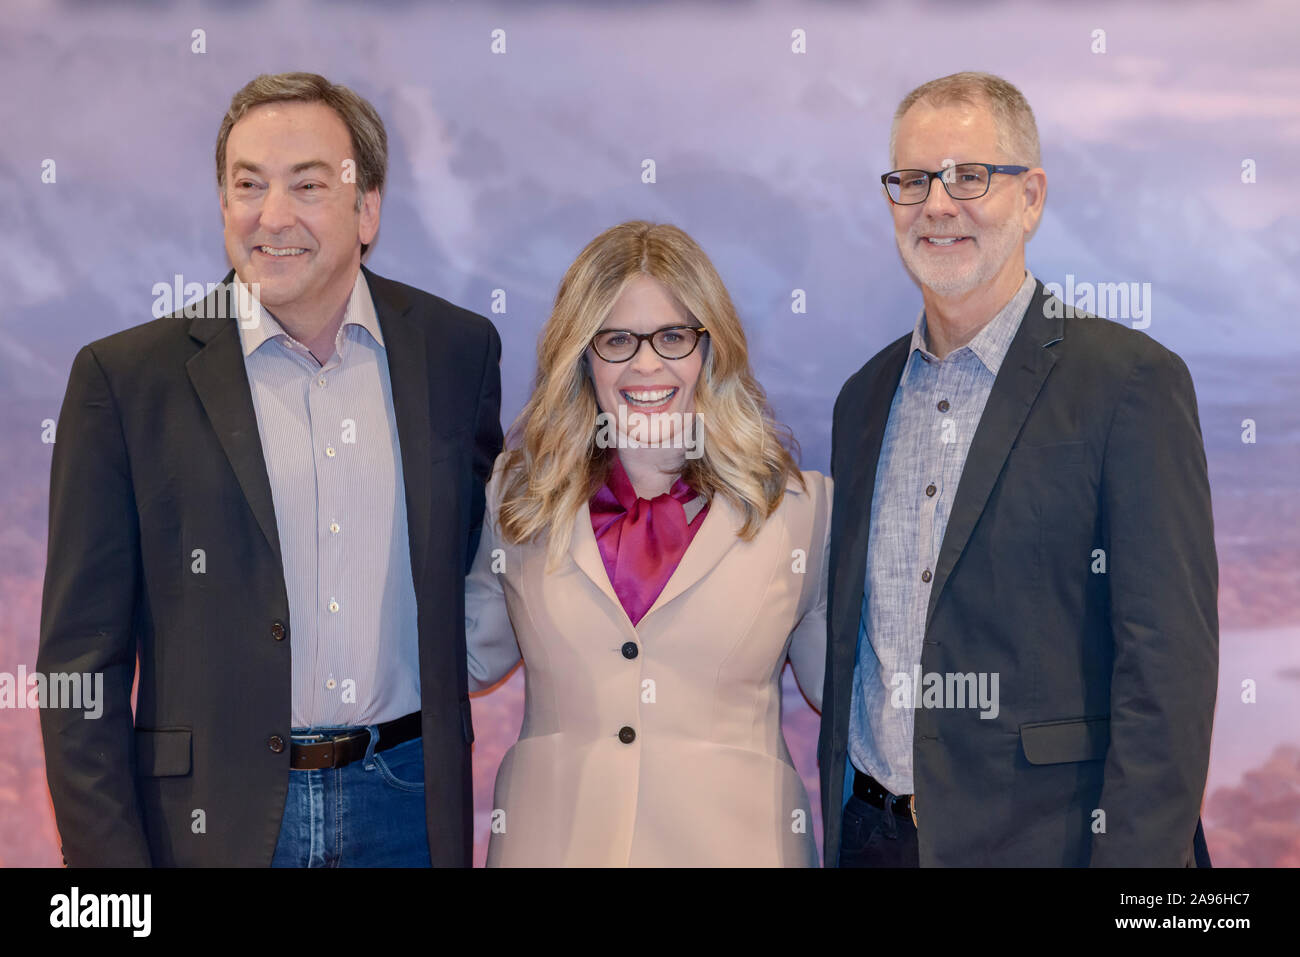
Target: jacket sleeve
(487,435)
(491,648)
(808,643)
(1163,578)
(88,608)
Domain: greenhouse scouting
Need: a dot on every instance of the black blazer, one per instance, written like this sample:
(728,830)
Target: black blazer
(1089,440)
(158,453)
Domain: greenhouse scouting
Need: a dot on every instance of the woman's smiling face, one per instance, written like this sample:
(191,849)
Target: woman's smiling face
(647,383)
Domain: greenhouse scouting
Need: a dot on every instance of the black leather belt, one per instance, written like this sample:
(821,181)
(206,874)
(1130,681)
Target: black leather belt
(350,744)
(868,789)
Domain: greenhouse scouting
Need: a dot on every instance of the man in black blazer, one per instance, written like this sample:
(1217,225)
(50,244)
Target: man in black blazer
(1023,635)
(272,505)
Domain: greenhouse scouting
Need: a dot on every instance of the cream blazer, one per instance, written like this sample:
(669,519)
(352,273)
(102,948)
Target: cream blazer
(657,744)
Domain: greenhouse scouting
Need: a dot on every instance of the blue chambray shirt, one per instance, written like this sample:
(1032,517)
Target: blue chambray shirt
(932,419)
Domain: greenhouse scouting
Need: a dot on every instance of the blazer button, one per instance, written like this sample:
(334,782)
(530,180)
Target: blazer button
(925,575)
(629,650)
(626,734)
(277,630)
(275,743)
(943,405)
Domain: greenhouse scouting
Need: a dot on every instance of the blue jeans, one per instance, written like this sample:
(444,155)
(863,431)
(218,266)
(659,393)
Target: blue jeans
(369,813)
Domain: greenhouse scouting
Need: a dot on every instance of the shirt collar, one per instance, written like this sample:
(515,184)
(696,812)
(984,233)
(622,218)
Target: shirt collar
(991,343)
(257,325)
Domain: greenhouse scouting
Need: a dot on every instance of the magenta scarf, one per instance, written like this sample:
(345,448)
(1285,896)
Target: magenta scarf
(641,541)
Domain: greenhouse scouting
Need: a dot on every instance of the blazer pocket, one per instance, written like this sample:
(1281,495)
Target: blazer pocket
(1055,454)
(467,723)
(162,754)
(1071,739)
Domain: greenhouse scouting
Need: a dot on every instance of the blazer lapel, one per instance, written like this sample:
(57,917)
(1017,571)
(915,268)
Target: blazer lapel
(711,542)
(404,344)
(851,516)
(1020,377)
(221,381)
(715,538)
(586,554)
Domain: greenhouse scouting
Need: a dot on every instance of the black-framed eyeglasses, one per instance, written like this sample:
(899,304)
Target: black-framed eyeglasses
(907,187)
(670,342)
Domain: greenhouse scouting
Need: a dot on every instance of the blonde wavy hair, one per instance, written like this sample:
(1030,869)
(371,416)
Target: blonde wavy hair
(553,463)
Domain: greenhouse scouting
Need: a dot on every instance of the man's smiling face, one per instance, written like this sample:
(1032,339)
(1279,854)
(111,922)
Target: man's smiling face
(291,222)
(955,246)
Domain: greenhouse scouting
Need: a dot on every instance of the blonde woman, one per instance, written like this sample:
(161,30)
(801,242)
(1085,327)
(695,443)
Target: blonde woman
(656,555)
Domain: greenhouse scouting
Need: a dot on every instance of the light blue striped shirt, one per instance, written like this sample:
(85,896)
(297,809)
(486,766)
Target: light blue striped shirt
(329,436)
(936,409)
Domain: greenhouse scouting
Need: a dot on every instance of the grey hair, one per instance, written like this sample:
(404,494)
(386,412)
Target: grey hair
(1017,131)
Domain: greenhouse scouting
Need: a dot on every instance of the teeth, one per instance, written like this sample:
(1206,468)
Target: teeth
(294,251)
(648,398)
(945,241)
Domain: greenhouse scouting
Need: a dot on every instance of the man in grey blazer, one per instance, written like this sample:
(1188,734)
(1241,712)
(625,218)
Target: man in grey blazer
(272,503)
(1023,635)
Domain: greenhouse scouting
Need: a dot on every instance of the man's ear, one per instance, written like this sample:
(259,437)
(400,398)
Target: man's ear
(369,224)
(1035,193)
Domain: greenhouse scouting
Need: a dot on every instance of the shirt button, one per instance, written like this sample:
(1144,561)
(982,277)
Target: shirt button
(330,683)
(334,606)
(277,630)
(943,405)
(925,575)
(329,450)
(321,382)
(629,650)
(626,734)
(334,527)
(275,743)
(930,490)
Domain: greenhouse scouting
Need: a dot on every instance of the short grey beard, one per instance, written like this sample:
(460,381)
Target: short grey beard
(1000,243)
